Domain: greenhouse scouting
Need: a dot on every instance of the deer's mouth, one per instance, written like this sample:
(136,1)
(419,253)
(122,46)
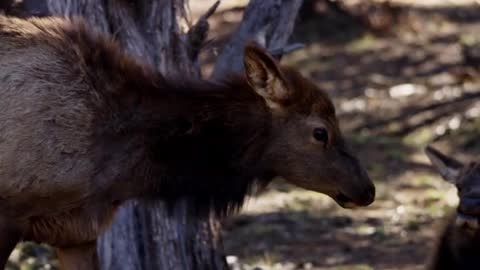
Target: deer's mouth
(467,221)
(344,201)
(351,202)
(468,213)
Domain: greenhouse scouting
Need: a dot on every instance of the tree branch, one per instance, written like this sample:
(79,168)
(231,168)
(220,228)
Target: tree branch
(279,52)
(268,22)
(197,35)
(126,31)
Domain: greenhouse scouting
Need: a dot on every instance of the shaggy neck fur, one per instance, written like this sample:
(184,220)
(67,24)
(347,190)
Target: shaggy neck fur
(203,141)
(197,140)
(207,139)
(182,138)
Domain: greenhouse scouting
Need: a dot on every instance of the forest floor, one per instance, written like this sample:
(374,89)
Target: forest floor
(399,82)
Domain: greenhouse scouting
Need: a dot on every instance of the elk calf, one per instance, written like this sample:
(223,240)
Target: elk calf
(459,245)
(83,127)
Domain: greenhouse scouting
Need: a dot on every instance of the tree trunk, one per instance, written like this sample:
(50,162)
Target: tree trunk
(268,22)
(146,235)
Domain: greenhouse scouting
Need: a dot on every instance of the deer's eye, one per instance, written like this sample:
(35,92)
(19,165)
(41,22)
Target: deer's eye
(320,134)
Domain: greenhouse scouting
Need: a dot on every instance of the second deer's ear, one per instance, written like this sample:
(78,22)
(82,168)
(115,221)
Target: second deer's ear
(449,168)
(265,77)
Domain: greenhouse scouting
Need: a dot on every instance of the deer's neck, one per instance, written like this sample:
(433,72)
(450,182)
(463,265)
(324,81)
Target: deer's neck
(170,138)
(193,139)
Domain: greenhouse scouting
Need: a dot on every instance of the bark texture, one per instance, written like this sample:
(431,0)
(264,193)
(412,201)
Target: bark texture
(148,236)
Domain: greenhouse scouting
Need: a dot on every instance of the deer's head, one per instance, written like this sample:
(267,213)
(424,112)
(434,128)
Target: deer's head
(306,146)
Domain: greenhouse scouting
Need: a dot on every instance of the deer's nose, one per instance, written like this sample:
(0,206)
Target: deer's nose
(367,189)
(470,206)
(365,194)
(369,196)
(363,197)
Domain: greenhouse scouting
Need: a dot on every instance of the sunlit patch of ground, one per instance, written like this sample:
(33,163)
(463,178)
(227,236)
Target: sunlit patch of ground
(30,256)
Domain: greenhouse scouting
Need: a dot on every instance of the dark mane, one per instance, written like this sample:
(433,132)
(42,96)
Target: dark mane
(202,138)
(211,155)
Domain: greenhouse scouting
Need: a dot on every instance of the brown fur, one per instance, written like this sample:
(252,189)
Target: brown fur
(457,248)
(83,128)
(80,257)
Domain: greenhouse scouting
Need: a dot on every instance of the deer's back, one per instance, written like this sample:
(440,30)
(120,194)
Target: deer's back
(45,120)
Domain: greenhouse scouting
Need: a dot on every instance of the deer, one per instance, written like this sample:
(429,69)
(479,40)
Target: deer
(84,128)
(459,243)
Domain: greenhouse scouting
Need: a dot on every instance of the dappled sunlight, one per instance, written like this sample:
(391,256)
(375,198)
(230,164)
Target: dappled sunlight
(31,256)
(288,227)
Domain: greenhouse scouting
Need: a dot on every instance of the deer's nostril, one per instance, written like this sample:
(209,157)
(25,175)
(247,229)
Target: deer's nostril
(369,194)
(372,195)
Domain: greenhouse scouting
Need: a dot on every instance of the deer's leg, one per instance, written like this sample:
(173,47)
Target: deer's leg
(81,257)
(10,235)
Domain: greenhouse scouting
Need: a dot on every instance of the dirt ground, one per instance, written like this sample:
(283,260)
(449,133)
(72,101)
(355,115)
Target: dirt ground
(402,77)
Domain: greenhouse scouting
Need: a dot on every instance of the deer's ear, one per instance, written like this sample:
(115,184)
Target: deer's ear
(265,77)
(449,168)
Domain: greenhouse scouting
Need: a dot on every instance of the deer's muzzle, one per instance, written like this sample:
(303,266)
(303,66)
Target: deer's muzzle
(466,221)
(469,206)
(362,198)
(468,213)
